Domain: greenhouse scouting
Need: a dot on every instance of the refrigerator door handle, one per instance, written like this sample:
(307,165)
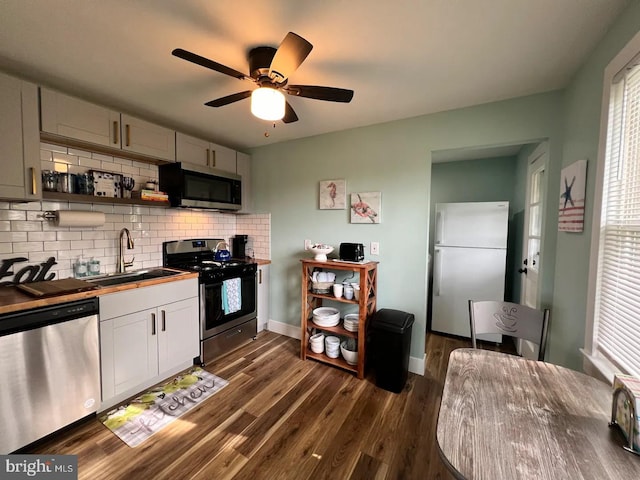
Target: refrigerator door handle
(437,273)
(439,225)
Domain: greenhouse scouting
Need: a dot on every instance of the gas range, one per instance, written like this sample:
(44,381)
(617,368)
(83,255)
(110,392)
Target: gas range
(227,291)
(198,255)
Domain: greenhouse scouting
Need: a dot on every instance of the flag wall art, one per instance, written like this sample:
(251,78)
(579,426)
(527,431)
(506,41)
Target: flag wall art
(572,195)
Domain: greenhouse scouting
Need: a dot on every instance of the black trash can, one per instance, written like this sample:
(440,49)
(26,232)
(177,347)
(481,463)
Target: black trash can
(390,343)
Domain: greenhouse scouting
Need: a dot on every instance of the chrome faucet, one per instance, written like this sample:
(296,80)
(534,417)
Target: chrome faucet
(122,265)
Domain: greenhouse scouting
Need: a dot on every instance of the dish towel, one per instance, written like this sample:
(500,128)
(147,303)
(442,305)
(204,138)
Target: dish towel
(231,295)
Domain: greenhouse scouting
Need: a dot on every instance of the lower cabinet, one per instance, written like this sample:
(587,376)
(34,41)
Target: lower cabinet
(150,342)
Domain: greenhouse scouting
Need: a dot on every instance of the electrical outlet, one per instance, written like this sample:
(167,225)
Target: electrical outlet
(307,244)
(375,248)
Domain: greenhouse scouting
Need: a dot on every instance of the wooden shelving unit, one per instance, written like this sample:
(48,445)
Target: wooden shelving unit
(368,274)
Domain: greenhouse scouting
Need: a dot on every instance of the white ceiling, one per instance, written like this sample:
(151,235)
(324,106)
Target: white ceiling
(403,58)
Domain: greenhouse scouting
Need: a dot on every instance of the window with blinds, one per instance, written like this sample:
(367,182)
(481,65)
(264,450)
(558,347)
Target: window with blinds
(617,306)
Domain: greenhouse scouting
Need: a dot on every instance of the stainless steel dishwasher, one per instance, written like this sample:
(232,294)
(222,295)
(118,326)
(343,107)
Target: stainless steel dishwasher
(49,370)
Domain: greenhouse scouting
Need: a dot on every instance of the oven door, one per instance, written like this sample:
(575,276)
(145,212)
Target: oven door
(213,317)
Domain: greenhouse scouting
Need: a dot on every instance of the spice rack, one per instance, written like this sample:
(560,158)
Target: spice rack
(368,274)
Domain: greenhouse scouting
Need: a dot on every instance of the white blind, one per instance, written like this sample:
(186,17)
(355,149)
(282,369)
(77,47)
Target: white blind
(617,314)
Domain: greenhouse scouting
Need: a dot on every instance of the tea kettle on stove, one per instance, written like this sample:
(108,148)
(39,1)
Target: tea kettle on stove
(222,254)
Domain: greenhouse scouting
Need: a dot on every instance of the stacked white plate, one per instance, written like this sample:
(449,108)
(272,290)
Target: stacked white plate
(326,316)
(351,322)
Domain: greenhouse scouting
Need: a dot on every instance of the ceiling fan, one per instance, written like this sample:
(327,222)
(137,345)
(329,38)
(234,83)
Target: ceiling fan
(269,69)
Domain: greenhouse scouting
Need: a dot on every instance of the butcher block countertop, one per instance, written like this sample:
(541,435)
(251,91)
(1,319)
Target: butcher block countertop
(12,299)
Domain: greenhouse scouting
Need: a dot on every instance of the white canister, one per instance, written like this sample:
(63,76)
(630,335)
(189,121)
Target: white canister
(337,290)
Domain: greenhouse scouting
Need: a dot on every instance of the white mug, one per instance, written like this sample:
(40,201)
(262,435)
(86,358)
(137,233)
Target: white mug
(348,292)
(337,290)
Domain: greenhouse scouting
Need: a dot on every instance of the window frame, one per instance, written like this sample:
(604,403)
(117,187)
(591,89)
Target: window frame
(594,362)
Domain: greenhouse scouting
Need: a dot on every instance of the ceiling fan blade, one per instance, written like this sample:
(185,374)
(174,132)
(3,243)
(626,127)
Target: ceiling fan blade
(205,62)
(221,102)
(290,54)
(329,94)
(289,114)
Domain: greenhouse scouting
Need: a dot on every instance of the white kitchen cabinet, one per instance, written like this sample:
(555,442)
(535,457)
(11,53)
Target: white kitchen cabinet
(19,140)
(143,342)
(243,162)
(263,297)
(78,119)
(202,152)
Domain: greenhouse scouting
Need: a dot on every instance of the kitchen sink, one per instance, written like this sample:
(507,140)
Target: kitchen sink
(131,277)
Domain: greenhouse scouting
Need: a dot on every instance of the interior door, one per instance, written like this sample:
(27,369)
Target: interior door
(532,238)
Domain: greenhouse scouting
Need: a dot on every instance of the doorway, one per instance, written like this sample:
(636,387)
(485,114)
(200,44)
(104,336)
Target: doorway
(483,174)
(532,238)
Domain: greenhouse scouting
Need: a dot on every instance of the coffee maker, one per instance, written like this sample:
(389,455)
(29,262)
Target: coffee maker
(239,244)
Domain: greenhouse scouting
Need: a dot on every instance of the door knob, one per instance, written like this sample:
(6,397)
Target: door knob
(522,270)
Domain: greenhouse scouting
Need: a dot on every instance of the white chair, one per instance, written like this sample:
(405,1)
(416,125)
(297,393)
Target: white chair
(511,319)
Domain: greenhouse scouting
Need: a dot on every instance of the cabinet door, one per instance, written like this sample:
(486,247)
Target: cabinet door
(192,150)
(263,297)
(129,349)
(19,139)
(75,118)
(178,333)
(223,158)
(243,165)
(140,136)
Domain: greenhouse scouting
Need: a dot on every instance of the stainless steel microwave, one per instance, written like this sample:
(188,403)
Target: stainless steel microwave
(190,185)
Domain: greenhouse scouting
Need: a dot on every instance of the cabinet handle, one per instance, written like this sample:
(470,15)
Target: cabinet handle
(213,158)
(115,132)
(128,132)
(153,324)
(260,277)
(207,157)
(34,184)
(164,321)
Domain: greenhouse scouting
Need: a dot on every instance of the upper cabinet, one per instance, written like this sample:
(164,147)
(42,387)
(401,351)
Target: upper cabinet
(202,152)
(80,120)
(19,140)
(244,170)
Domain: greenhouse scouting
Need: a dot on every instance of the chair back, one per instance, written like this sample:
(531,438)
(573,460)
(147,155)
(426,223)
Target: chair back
(511,319)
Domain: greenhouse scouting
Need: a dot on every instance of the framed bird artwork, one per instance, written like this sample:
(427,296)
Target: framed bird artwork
(572,195)
(365,207)
(333,195)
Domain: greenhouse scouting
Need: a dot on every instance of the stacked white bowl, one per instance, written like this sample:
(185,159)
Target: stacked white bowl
(349,350)
(316,343)
(326,316)
(332,346)
(351,322)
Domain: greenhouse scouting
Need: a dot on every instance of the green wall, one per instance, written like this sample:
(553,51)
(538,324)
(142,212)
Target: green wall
(395,159)
(581,107)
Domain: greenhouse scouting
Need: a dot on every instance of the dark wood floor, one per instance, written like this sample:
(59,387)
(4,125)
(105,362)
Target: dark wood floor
(282,418)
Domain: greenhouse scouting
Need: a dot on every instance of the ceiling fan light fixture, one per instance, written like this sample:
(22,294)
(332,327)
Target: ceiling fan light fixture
(267,103)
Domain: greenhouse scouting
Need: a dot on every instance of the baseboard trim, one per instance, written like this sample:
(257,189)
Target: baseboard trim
(416,365)
(286,329)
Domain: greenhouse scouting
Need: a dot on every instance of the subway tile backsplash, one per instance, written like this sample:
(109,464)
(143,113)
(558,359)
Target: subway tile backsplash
(25,233)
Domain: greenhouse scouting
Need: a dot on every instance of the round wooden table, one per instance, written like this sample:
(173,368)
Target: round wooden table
(505,417)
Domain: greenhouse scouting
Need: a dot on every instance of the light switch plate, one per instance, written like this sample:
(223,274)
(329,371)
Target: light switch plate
(375,248)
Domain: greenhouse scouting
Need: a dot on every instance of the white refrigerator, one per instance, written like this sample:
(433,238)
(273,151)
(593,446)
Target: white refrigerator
(469,261)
